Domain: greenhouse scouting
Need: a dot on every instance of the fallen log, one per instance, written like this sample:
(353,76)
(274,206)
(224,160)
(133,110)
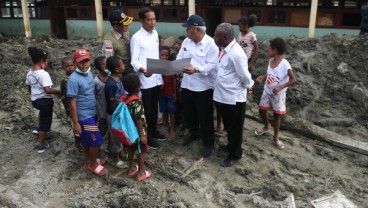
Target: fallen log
(310,130)
(195,166)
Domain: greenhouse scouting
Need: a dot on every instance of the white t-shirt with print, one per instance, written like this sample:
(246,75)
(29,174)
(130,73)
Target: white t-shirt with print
(246,42)
(38,80)
(277,76)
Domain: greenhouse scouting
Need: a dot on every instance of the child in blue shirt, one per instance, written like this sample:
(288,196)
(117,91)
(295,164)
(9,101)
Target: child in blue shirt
(82,102)
(113,91)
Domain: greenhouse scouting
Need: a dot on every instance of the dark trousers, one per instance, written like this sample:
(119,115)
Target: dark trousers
(198,108)
(233,118)
(46,106)
(150,104)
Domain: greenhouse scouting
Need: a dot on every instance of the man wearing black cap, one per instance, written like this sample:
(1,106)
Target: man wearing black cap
(116,41)
(197,83)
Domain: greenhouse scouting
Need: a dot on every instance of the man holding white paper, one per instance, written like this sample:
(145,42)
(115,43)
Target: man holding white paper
(198,82)
(145,44)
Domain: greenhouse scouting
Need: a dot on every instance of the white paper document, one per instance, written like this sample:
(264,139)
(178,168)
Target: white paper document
(165,67)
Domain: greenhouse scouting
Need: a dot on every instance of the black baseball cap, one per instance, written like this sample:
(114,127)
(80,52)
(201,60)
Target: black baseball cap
(118,17)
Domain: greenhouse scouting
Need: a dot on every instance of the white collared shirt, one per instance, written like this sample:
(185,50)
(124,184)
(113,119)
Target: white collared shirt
(203,56)
(145,45)
(233,78)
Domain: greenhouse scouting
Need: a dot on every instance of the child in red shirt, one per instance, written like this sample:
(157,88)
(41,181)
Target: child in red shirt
(167,96)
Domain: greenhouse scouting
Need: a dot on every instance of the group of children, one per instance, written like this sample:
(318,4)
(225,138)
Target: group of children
(82,94)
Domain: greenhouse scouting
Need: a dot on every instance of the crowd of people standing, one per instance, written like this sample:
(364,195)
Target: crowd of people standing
(219,72)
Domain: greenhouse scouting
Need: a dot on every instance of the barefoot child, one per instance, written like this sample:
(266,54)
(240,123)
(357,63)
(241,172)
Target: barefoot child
(69,67)
(132,85)
(167,96)
(179,115)
(82,102)
(279,77)
(99,84)
(113,91)
(40,87)
(247,39)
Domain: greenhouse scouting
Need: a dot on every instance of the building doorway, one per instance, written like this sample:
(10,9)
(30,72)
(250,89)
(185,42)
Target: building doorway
(212,17)
(58,23)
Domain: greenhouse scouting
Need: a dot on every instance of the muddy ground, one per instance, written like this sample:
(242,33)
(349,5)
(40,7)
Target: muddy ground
(332,92)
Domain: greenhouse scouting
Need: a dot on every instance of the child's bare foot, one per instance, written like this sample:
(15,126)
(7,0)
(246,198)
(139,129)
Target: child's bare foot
(172,134)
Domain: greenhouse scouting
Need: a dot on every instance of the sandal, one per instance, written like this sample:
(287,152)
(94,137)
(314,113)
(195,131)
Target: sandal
(101,161)
(261,131)
(146,175)
(119,164)
(99,170)
(279,144)
(133,172)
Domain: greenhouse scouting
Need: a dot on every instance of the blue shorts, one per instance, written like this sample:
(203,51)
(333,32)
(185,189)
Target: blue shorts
(91,135)
(45,105)
(167,104)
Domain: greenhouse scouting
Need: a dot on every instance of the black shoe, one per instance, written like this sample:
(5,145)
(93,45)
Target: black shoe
(159,137)
(153,144)
(228,162)
(207,151)
(188,140)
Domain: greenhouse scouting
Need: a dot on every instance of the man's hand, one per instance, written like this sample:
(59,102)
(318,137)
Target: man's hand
(189,70)
(145,73)
(250,91)
(260,79)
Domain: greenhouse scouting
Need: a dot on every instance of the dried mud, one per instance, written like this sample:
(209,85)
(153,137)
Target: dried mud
(332,92)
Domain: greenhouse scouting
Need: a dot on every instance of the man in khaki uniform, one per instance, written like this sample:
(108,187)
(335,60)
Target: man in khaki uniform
(116,41)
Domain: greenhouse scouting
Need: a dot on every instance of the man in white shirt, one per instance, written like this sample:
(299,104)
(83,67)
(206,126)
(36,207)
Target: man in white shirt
(116,41)
(232,81)
(197,83)
(145,44)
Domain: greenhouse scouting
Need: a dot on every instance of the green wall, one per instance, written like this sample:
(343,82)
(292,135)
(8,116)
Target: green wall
(16,27)
(267,32)
(87,29)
